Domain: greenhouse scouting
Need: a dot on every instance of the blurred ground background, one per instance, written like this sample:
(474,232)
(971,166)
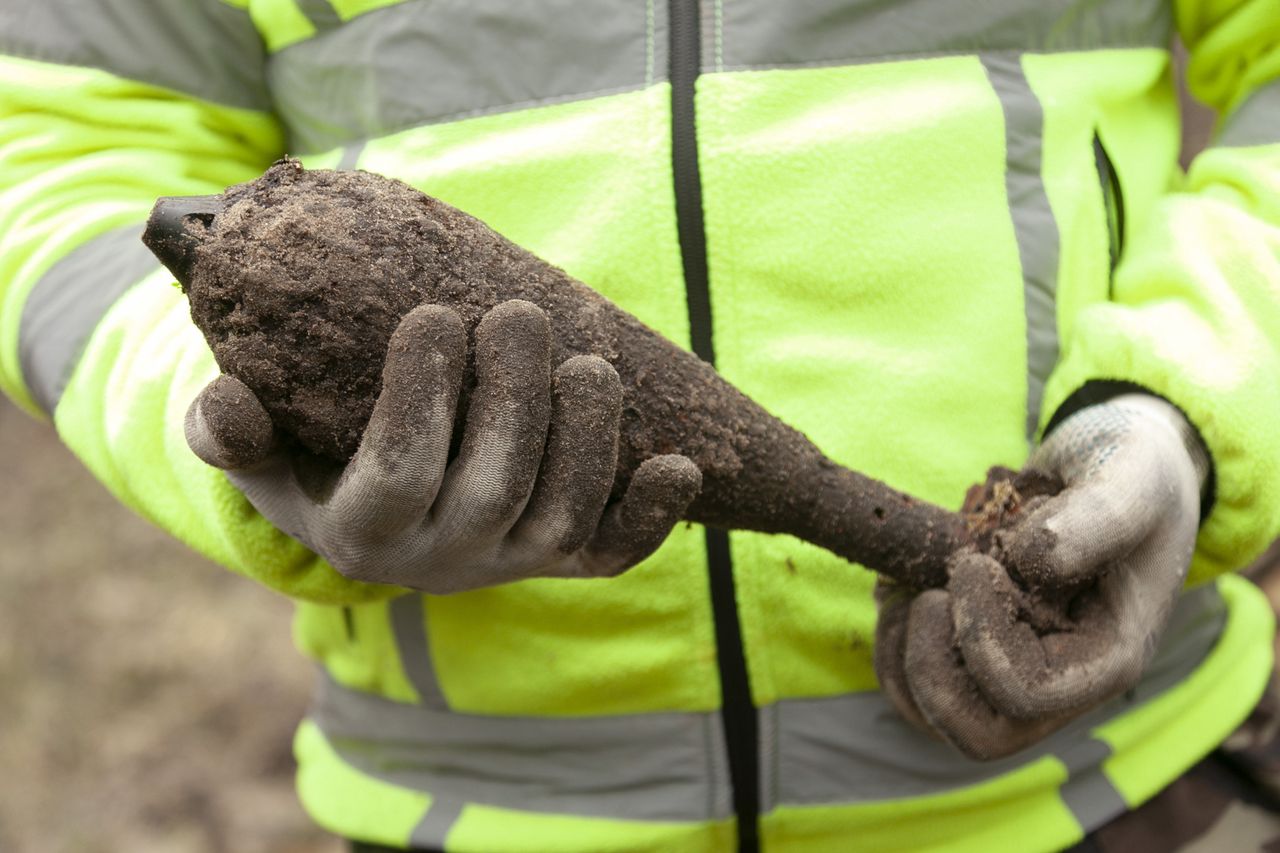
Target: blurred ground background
(147,697)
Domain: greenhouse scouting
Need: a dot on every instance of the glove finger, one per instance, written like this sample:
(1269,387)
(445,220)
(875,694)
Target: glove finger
(948,698)
(397,471)
(1096,652)
(1098,519)
(580,460)
(227,427)
(1117,461)
(890,651)
(489,484)
(661,489)
(1030,671)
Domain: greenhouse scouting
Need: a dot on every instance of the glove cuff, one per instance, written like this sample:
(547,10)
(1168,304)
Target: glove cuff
(1099,392)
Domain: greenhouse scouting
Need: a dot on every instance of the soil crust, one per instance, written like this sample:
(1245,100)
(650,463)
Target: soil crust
(298,279)
(998,505)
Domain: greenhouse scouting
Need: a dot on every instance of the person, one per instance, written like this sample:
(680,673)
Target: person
(934,237)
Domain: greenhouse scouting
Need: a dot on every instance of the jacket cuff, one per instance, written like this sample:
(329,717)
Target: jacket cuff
(1116,349)
(1100,391)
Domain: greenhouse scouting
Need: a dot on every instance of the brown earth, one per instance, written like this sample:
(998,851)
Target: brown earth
(299,278)
(148,697)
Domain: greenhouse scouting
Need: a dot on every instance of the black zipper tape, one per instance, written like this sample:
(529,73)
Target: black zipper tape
(738,713)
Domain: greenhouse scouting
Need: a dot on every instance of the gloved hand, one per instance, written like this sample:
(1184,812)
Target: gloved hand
(1072,612)
(525,497)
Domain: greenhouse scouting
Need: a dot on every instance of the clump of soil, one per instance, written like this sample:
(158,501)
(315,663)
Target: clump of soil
(299,278)
(1004,499)
(997,505)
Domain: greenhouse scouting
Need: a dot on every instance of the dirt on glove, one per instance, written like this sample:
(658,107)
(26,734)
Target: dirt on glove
(999,504)
(298,279)
(1004,499)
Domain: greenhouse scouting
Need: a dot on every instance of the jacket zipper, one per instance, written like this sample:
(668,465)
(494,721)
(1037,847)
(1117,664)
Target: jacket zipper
(738,713)
(1112,200)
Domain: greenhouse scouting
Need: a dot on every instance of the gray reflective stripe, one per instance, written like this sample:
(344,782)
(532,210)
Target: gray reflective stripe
(409,626)
(320,13)
(766,33)
(68,302)
(203,48)
(419,62)
(432,831)
(664,766)
(1256,121)
(672,766)
(1088,793)
(855,748)
(1033,224)
(350,156)
(767,734)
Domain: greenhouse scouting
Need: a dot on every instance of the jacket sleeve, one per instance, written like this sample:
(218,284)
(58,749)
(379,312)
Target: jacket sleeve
(105,106)
(1195,310)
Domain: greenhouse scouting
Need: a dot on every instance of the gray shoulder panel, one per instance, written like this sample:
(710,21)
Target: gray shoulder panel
(203,48)
(766,33)
(69,301)
(417,62)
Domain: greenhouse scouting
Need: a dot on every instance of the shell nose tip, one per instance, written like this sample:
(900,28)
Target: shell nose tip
(176,228)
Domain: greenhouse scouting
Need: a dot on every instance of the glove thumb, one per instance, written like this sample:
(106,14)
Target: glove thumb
(227,427)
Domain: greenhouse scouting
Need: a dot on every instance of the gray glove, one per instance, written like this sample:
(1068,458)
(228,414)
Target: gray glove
(1071,614)
(525,497)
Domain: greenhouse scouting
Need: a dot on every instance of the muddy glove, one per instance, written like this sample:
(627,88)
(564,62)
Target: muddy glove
(525,497)
(1072,613)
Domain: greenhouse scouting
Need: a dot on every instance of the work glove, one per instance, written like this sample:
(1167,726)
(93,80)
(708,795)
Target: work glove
(1068,610)
(525,496)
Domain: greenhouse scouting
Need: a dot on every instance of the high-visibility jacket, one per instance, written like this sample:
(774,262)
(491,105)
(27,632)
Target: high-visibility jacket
(914,231)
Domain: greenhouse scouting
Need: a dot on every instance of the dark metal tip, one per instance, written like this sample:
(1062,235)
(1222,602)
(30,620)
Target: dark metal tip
(176,227)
